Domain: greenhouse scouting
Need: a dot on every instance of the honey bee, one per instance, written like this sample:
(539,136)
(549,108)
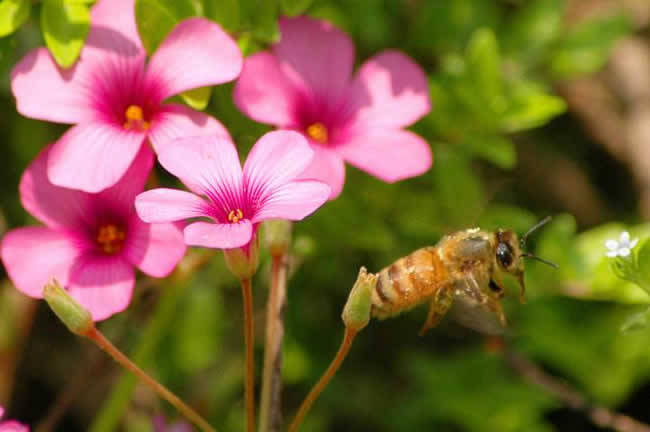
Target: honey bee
(465,266)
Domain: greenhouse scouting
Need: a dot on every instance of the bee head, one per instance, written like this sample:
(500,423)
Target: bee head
(510,253)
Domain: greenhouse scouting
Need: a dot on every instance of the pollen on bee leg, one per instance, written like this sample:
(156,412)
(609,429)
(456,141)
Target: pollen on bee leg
(318,132)
(134,118)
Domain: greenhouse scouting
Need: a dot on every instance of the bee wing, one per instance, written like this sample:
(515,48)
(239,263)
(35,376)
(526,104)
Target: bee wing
(469,313)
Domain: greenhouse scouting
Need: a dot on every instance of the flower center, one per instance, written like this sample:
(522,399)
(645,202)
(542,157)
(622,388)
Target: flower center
(110,238)
(235,216)
(135,119)
(318,132)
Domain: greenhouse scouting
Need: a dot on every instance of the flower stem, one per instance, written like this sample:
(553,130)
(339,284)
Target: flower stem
(103,343)
(249,389)
(348,338)
(270,403)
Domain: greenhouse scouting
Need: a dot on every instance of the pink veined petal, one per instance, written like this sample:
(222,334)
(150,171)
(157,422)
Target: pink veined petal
(102,284)
(204,164)
(13,426)
(276,158)
(168,205)
(44,91)
(315,54)
(264,93)
(328,167)
(294,201)
(35,255)
(113,30)
(178,121)
(154,248)
(219,236)
(390,155)
(196,53)
(53,205)
(122,193)
(92,156)
(390,91)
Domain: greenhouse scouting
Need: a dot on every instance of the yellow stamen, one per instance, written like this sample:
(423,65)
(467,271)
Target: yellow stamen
(135,118)
(110,238)
(318,132)
(235,216)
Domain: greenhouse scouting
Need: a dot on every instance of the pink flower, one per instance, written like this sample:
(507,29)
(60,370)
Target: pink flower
(90,242)
(160,425)
(10,425)
(304,83)
(235,200)
(114,100)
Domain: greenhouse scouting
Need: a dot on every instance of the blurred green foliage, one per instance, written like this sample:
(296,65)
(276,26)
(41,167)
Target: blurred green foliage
(492,67)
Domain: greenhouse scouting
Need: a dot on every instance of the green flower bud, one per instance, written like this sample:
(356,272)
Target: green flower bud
(356,312)
(73,315)
(277,235)
(243,261)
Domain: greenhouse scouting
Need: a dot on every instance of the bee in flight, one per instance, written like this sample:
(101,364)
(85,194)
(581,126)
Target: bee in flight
(465,266)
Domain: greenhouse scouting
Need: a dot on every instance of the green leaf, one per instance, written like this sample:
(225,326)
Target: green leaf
(496,149)
(226,12)
(586,48)
(530,107)
(197,98)
(264,17)
(65,27)
(295,7)
(13,13)
(484,69)
(637,321)
(533,28)
(156,18)
(643,262)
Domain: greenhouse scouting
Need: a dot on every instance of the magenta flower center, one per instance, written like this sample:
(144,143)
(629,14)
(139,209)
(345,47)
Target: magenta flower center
(110,238)
(318,132)
(235,216)
(134,119)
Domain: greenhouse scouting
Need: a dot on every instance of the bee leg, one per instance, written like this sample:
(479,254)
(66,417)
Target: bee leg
(438,307)
(495,306)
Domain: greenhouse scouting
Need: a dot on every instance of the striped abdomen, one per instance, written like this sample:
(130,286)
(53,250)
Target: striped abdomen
(407,282)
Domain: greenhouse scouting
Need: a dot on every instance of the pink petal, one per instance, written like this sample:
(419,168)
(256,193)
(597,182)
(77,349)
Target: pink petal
(196,53)
(168,205)
(390,155)
(390,90)
(315,54)
(178,121)
(294,201)
(46,92)
(154,248)
(113,30)
(270,100)
(35,255)
(219,236)
(102,284)
(13,426)
(123,193)
(328,167)
(92,156)
(203,163)
(53,205)
(276,158)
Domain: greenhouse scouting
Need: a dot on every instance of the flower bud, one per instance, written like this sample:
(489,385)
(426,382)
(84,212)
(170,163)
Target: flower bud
(277,235)
(356,312)
(73,315)
(243,261)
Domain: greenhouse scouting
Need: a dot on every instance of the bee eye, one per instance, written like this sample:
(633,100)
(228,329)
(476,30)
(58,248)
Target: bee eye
(504,255)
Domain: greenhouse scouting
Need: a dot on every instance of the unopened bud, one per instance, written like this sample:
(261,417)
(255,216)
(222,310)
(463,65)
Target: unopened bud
(356,312)
(277,235)
(243,261)
(73,315)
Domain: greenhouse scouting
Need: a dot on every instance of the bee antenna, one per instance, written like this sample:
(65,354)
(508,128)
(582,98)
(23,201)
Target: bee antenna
(542,260)
(538,225)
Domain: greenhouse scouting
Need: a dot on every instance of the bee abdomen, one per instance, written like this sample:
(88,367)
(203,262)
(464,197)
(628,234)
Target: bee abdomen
(406,283)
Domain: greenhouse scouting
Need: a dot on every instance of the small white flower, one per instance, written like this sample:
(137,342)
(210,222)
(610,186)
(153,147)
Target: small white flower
(622,247)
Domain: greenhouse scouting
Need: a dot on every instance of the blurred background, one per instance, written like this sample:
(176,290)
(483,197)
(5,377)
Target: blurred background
(541,107)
